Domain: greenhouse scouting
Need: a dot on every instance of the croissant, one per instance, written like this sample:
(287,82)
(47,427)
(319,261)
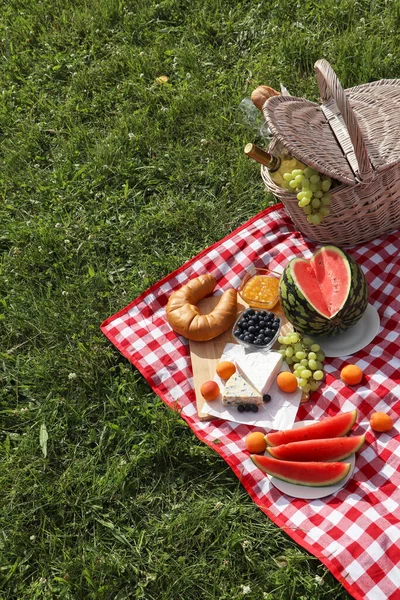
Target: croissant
(184,316)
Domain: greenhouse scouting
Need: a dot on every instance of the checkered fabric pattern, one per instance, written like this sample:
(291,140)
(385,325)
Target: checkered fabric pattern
(356,531)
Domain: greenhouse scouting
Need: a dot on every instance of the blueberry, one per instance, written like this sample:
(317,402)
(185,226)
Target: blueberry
(266,398)
(240,408)
(250,311)
(246,338)
(254,408)
(247,408)
(263,313)
(261,331)
(251,329)
(277,321)
(237,332)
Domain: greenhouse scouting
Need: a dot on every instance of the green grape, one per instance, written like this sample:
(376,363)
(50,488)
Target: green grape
(285,185)
(315,178)
(286,340)
(319,365)
(292,184)
(315,202)
(314,219)
(306,388)
(280,339)
(302,382)
(308,341)
(320,355)
(306,374)
(318,194)
(300,196)
(282,351)
(309,171)
(315,348)
(324,211)
(289,352)
(298,347)
(317,375)
(314,385)
(305,184)
(312,355)
(289,361)
(294,338)
(313,364)
(314,187)
(325,200)
(287,177)
(295,360)
(298,179)
(326,184)
(297,172)
(308,193)
(300,355)
(304,202)
(304,362)
(307,209)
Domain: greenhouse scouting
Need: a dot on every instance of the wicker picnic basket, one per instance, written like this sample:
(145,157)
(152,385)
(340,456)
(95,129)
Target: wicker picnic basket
(354,137)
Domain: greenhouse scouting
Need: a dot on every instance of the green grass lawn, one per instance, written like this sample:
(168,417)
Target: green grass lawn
(109,181)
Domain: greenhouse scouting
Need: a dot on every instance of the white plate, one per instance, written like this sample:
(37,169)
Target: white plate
(307,492)
(354,339)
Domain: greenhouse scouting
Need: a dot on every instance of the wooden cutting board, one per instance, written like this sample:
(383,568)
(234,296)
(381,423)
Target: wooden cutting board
(206,355)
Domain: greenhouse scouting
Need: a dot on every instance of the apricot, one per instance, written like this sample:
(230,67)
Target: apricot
(351,374)
(225,369)
(255,442)
(381,422)
(287,382)
(210,390)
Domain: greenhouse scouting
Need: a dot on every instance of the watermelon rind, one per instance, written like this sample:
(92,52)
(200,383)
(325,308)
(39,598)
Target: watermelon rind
(303,315)
(313,474)
(332,427)
(324,450)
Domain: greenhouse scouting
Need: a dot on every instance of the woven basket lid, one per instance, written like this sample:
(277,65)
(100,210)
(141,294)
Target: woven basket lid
(345,145)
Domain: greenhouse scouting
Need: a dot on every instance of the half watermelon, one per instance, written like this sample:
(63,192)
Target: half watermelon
(336,426)
(325,450)
(314,474)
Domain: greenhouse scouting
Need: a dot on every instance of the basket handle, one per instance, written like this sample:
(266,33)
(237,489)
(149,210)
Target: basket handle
(330,87)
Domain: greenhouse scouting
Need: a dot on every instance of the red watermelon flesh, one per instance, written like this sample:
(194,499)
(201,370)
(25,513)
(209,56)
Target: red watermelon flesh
(325,450)
(315,474)
(324,280)
(331,427)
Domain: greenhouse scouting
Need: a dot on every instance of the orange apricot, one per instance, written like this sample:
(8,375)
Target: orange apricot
(210,390)
(255,442)
(381,422)
(287,382)
(351,374)
(225,369)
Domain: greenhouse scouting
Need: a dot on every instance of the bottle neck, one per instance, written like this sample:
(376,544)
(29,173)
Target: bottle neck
(265,158)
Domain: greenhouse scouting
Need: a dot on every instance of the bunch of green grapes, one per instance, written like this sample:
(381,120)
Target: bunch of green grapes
(306,359)
(312,191)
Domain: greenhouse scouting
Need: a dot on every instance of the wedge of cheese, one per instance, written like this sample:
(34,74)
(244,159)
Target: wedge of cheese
(260,370)
(239,391)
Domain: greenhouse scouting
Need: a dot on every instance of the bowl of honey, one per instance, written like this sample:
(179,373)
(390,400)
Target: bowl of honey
(259,288)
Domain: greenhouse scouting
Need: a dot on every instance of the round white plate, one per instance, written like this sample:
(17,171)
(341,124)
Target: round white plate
(354,339)
(307,492)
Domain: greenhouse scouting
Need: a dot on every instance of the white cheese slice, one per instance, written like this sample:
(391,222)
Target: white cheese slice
(259,369)
(239,391)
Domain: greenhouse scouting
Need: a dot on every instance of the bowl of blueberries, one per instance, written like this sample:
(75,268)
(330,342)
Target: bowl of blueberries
(257,329)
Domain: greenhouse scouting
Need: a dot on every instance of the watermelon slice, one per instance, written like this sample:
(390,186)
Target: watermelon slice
(325,450)
(331,427)
(324,280)
(314,474)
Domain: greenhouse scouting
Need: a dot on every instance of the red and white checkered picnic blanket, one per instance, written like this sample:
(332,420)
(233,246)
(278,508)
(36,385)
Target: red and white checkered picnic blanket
(356,531)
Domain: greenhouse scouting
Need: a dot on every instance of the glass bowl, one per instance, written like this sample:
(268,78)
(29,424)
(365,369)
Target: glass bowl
(259,288)
(266,327)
